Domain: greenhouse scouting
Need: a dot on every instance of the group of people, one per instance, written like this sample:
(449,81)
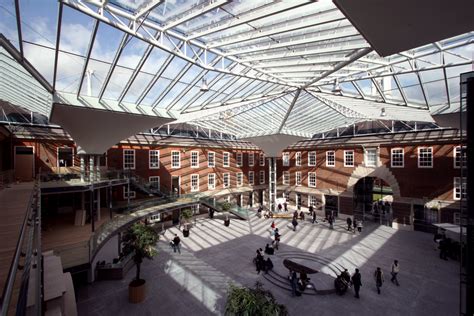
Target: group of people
(344,280)
(260,262)
(275,234)
(353,225)
(298,285)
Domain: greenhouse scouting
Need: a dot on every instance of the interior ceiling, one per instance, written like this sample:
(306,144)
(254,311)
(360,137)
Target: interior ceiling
(271,67)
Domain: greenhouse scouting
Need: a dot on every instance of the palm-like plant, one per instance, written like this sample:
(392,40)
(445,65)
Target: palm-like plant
(140,240)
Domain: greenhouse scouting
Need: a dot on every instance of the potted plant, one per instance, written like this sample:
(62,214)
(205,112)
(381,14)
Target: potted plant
(186,216)
(226,207)
(139,240)
(252,301)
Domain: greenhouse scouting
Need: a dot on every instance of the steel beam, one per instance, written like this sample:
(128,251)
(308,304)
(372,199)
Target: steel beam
(58,39)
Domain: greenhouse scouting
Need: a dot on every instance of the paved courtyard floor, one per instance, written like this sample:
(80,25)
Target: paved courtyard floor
(195,282)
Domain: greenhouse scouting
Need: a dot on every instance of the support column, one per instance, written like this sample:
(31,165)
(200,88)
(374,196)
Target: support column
(98,204)
(272,183)
(97,169)
(83,168)
(109,200)
(91,210)
(91,169)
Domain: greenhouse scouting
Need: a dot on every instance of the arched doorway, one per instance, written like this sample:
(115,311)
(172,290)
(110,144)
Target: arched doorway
(372,199)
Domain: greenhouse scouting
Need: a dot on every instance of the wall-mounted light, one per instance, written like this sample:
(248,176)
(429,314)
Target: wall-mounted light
(204,86)
(383,113)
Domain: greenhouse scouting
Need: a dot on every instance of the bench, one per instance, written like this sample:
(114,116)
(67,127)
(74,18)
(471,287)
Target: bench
(282,215)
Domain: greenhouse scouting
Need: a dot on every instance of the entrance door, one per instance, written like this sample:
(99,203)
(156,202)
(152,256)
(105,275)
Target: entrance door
(251,199)
(331,205)
(298,201)
(424,219)
(24,163)
(175,186)
(260,197)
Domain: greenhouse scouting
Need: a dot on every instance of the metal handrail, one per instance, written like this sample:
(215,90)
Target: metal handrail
(32,219)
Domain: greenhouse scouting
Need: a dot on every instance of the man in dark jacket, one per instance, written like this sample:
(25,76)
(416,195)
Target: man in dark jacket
(356,281)
(349,224)
(176,241)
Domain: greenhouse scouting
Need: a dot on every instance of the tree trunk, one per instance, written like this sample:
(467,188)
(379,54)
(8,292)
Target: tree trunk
(138,271)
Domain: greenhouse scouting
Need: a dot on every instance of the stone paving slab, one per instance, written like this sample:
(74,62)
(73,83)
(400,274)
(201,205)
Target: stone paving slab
(195,281)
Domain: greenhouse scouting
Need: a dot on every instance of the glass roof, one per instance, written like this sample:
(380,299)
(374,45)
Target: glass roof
(279,66)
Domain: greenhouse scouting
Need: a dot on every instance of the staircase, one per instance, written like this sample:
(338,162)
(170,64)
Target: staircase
(142,185)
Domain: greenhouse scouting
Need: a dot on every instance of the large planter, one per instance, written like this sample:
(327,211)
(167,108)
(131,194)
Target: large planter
(137,291)
(227,222)
(185,232)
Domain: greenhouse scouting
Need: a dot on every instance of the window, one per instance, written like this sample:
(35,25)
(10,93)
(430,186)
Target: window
(226,160)
(262,177)
(195,159)
(298,177)
(65,157)
(312,159)
(240,178)
(154,182)
(312,200)
(330,158)
(286,159)
(286,177)
(312,179)
(129,159)
(298,159)
(425,157)
(154,159)
(371,157)
(460,157)
(397,159)
(239,159)
(225,180)
(175,159)
(194,182)
(211,181)
(251,177)
(126,194)
(348,158)
(211,159)
(251,159)
(262,160)
(460,188)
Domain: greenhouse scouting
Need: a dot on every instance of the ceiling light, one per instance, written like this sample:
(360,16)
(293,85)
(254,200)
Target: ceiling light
(383,113)
(336,88)
(204,86)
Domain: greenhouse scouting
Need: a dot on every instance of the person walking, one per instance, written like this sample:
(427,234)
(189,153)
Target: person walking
(294,283)
(314,217)
(356,282)
(359,226)
(378,276)
(277,239)
(331,222)
(176,241)
(395,270)
(294,222)
(349,223)
(354,225)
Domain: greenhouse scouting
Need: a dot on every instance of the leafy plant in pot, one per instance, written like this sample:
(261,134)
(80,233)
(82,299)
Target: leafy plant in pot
(139,240)
(226,207)
(186,216)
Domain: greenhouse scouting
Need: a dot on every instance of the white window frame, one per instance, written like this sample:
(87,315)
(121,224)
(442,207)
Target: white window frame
(151,181)
(251,159)
(312,200)
(133,194)
(346,152)
(459,188)
(328,164)
(398,153)
(134,160)
(194,188)
(298,158)
(312,159)
(285,179)
(285,157)
(179,159)
(251,177)
(262,160)
(298,178)
(239,160)
(366,157)
(239,179)
(211,185)
(196,164)
(150,156)
(458,157)
(419,157)
(262,176)
(211,162)
(226,159)
(226,184)
(310,174)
